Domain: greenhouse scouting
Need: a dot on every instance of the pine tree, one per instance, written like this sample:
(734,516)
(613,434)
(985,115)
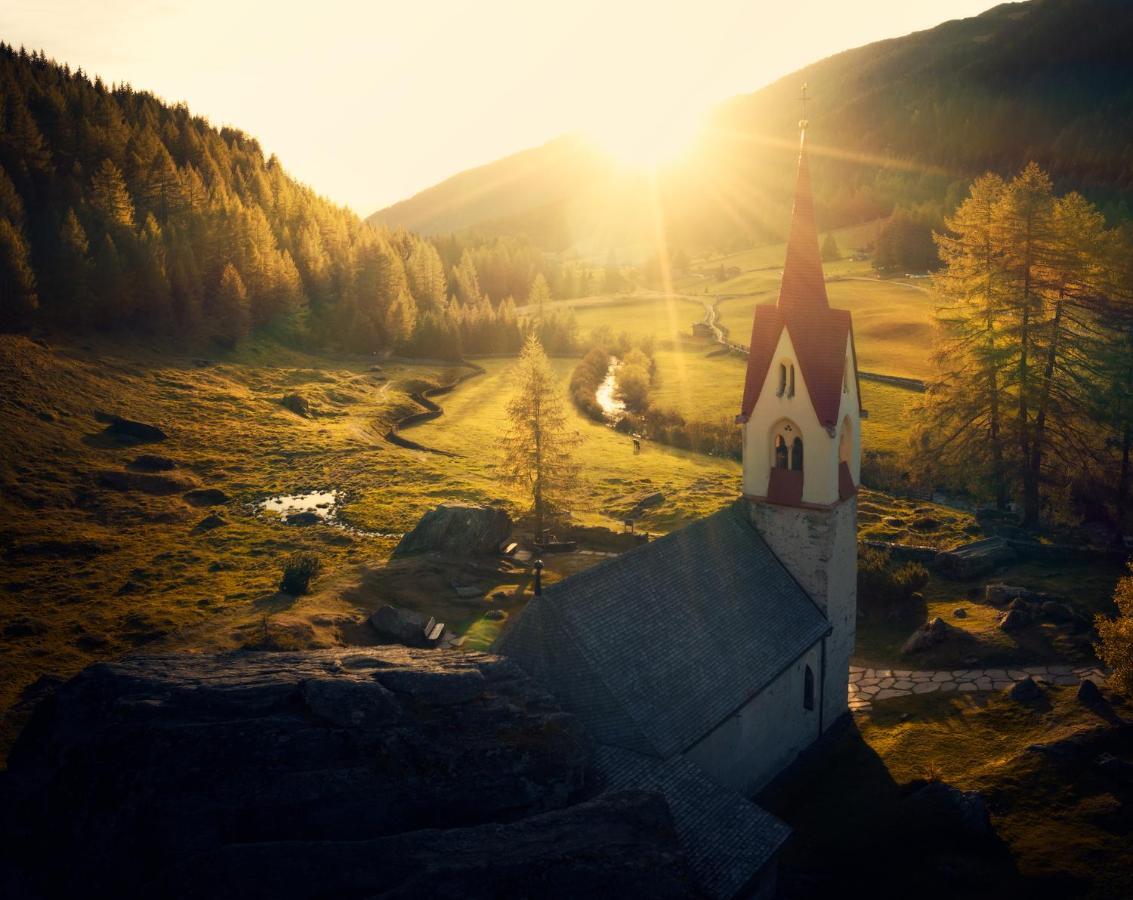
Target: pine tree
(71,292)
(18,298)
(466,282)
(539,296)
(230,315)
(830,251)
(109,196)
(538,449)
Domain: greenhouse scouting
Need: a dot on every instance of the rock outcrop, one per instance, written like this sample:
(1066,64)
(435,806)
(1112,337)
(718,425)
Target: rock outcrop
(458,529)
(384,771)
(118,427)
(931,634)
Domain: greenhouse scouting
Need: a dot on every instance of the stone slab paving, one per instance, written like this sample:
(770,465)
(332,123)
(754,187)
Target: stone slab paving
(867,686)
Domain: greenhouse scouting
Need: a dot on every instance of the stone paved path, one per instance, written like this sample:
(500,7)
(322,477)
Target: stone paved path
(867,686)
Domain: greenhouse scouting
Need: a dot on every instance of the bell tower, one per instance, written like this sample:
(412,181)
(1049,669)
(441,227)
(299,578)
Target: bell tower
(801,421)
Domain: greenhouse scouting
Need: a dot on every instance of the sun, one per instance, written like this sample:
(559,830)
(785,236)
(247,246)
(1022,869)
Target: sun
(646,139)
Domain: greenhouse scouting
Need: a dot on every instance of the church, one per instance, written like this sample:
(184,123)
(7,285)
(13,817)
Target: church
(702,664)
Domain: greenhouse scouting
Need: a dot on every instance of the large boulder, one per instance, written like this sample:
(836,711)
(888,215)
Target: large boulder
(458,529)
(131,430)
(930,635)
(366,772)
(976,558)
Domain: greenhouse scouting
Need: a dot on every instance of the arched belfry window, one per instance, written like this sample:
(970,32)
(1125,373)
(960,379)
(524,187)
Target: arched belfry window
(782,454)
(786,379)
(786,447)
(808,688)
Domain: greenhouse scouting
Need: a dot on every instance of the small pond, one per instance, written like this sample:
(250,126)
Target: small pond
(314,507)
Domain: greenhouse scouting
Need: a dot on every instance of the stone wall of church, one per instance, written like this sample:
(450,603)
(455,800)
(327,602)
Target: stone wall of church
(760,739)
(819,547)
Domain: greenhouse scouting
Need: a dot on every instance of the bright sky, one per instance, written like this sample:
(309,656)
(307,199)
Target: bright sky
(370,102)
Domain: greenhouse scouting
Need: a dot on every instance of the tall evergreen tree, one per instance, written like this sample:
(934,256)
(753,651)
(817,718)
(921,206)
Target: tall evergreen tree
(538,447)
(18,298)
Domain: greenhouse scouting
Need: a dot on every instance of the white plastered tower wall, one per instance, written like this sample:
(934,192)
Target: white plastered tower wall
(816,540)
(820,469)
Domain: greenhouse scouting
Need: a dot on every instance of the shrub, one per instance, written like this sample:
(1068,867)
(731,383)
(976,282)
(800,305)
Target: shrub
(1116,646)
(883,586)
(299,571)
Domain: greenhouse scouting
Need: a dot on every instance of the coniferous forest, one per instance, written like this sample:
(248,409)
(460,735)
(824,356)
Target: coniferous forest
(119,212)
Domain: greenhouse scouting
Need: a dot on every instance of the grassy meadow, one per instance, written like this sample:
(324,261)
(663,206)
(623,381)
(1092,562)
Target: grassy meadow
(101,558)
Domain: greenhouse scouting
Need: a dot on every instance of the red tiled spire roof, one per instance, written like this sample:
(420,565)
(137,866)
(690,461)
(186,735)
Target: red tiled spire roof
(803,287)
(818,333)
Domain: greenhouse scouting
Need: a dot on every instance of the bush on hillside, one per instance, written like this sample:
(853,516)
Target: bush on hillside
(299,571)
(883,586)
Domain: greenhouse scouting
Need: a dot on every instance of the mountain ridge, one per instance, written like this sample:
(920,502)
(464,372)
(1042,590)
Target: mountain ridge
(906,121)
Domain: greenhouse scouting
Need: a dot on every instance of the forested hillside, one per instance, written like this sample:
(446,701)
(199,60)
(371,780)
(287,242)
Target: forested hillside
(899,124)
(118,211)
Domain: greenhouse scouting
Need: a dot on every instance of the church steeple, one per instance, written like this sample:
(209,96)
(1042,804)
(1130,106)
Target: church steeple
(803,288)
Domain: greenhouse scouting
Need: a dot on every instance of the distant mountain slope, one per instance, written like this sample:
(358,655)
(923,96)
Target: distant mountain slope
(905,121)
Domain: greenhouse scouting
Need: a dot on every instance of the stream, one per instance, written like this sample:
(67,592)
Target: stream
(606,396)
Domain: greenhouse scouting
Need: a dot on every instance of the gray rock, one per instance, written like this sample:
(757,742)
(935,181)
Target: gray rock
(402,625)
(1054,611)
(364,772)
(976,558)
(1014,620)
(206,497)
(495,615)
(930,635)
(458,529)
(1025,691)
(117,426)
(209,522)
(304,518)
(350,703)
(1089,694)
(999,593)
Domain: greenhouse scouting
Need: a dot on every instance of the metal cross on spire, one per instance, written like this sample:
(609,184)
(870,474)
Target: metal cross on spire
(804,96)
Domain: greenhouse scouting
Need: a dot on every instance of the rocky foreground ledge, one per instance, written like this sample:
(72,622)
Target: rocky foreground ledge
(385,772)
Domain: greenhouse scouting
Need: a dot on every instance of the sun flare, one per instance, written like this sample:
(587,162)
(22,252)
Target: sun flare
(647,140)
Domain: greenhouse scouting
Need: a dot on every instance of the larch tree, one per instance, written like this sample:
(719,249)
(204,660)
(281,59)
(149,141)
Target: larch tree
(109,195)
(830,251)
(230,312)
(964,416)
(18,298)
(539,295)
(538,448)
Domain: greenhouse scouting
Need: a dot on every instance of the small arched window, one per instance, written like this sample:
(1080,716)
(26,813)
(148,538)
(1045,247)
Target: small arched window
(808,688)
(797,454)
(782,379)
(782,455)
(791,382)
